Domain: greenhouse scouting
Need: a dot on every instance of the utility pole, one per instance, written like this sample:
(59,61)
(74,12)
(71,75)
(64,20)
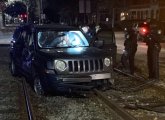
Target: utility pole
(113,17)
(41,14)
(84,11)
(113,13)
(40,11)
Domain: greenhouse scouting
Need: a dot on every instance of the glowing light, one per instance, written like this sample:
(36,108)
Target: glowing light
(25,16)
(143,31)
(75,51)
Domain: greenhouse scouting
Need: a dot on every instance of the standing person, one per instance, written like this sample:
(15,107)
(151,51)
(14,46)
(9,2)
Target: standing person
(151,37)
(130,49)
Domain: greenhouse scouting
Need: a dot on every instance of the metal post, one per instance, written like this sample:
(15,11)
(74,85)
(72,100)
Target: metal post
(113,15)
(27,12)
(41,12)
(84,11)
(97,13)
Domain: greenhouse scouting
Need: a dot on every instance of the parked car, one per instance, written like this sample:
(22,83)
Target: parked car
(58,56)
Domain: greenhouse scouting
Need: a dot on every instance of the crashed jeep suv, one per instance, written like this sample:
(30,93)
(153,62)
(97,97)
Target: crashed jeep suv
(57,56)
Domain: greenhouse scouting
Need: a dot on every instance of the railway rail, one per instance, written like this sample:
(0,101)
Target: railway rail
(144,82)
(121,112)
(28,105)
(134,84)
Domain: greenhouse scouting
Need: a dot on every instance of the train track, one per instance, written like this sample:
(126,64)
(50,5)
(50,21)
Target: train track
(128,93)
(27,101)
(121,112)
(12,98)
(143,82)
(127,108)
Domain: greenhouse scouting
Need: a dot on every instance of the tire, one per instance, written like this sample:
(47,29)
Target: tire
(13,69)
(38,87)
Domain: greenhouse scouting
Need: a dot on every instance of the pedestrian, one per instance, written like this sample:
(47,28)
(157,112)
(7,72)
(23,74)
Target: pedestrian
(130,49)
(151,37)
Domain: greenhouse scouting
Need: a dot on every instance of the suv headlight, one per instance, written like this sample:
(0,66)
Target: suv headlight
(60,65)
(107,62)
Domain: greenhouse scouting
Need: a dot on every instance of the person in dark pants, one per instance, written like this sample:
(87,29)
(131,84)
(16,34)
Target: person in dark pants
(153,57)
(130,50)
(149,32)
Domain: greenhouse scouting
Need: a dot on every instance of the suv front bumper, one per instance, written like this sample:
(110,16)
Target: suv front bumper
(90,78)
(74,81)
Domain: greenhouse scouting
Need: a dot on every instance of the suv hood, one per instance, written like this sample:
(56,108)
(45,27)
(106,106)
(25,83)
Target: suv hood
(75,52)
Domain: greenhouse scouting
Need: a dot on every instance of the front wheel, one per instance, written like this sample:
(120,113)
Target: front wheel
(38,87)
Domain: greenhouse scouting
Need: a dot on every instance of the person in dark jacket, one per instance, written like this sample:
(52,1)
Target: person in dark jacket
(129,50)
(152,40)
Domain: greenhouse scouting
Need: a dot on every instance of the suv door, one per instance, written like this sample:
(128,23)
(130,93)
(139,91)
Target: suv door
(108,37)
(16,48)
(27,53)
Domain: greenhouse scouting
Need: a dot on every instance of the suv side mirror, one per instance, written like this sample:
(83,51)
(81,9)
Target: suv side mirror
(99,43)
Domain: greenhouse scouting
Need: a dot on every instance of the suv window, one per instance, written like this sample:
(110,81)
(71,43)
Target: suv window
(107,36)
(55,39)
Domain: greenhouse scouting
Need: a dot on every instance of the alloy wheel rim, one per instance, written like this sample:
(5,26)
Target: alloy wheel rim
(37,86)
(12,67)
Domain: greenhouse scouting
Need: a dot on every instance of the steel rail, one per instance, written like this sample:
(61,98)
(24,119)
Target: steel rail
(129,75)
(122,113)
(146,107)
(27,100)
(144,82)
(151,83)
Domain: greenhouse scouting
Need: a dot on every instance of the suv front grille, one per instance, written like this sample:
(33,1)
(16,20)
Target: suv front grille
(87,65)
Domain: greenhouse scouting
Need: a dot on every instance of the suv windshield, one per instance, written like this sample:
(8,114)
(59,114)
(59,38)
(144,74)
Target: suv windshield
(56,39)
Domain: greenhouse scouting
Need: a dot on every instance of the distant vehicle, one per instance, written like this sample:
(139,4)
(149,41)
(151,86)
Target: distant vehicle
(59,56)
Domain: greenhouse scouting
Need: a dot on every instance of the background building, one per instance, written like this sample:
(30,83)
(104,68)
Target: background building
(110,12)
(146,9)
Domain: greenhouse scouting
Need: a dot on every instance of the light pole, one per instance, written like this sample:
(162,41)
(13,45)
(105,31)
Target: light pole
(40,12)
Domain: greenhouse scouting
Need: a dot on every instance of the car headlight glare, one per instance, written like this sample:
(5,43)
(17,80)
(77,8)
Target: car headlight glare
(107,62)
(60,65)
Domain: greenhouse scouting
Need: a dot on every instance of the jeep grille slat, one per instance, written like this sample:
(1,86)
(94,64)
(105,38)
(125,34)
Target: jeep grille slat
(86,65)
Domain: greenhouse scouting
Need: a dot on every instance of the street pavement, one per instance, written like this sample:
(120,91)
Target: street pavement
(141,45)
(5,37)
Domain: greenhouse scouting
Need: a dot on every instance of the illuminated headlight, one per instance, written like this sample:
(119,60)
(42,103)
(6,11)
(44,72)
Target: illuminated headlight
(60,65)
(107,62)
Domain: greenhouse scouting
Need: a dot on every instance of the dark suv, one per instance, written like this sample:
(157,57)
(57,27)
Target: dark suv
(58,56)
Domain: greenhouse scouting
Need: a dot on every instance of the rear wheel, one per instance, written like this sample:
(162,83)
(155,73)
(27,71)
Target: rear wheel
(38,87)
(13,68)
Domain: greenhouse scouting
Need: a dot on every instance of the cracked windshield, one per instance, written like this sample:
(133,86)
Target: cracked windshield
(54,39)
